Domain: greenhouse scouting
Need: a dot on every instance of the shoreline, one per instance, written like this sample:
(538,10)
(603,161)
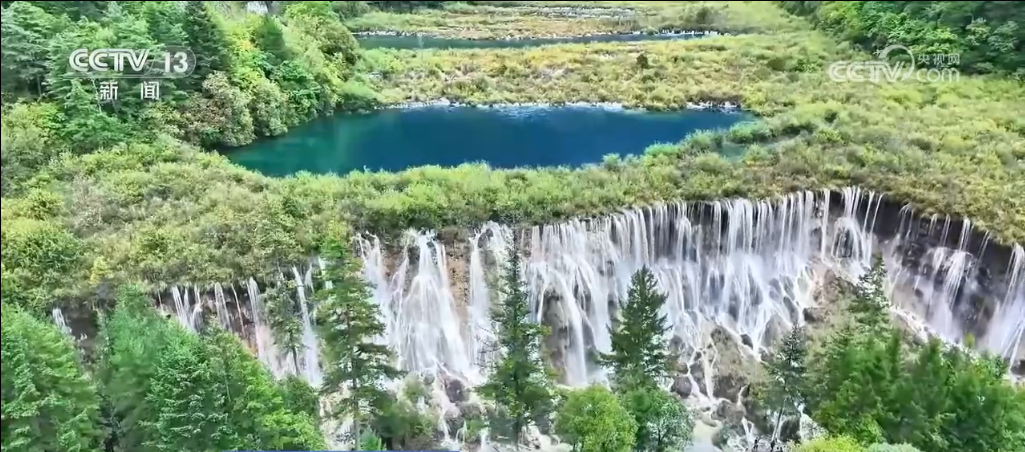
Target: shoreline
(669,33)
(724,107)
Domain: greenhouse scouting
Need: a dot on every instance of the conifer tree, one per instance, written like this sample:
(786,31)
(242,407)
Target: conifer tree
(520,382)
(207,41)
(640,349)
(283,317)
(348,323)
(49,405)
(270,38)
(870,305)
(787,369)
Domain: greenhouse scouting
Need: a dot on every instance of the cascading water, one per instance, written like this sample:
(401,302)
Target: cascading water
(747,269)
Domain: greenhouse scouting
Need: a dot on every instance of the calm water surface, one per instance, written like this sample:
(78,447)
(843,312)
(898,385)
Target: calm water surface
(397,139)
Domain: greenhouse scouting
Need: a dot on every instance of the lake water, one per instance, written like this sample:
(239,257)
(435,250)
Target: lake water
(510,137)
(426,42)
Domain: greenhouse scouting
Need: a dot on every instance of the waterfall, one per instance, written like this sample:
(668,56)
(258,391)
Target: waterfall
(58,319)
(748,267)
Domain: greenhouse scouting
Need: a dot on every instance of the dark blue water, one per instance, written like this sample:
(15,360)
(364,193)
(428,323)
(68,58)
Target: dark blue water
(425,42)
(448,136)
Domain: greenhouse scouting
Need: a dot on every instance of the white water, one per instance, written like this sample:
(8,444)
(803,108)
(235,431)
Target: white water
(747,266)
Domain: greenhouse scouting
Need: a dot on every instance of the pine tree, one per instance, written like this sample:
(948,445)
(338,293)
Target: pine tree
(640,349)
(49,405)
(270,38)
(870,305)
(283,318)
(207,41)
(520,383)
(787,370)
(348,323)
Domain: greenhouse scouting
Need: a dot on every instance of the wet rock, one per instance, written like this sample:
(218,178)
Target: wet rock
(697,370)
(471,410)
(814,315)
(454,421)
(682,386)
(734,367)
(774,331)
(728,386)
(730,413)
(746,340)
(757,414)
(791,429)
(456,391)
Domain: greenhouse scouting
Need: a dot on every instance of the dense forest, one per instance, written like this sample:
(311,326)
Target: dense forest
(107,203)
(986,36)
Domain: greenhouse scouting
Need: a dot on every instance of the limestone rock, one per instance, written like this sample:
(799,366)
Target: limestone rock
(734,367)
(791,429)
(682,386)
(730,413)
(774,331)
(814,315)
(456,390)
(697,370)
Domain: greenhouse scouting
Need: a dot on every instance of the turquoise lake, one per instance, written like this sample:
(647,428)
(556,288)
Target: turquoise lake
(426,42)
(506,137)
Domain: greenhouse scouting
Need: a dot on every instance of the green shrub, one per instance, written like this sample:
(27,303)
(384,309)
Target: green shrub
(892,448)
(831,444)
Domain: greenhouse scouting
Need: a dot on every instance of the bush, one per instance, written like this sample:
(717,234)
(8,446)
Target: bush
(892,448)
(831,444)
(592,420)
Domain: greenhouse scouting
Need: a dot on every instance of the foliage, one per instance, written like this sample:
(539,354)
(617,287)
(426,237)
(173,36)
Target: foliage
(173,390)
(369,441)
(640,346)
(519,382)
(663,422)
(870,304)
(284,319)
(870,384)
(401,426)
(299,396)
(985,36)
(227,100)
(348,321)
(592,420)
(785,390)
(486,20)
(49,404)
(892,448)
(831,444)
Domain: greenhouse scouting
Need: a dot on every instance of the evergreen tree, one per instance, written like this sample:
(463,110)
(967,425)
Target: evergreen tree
(785,388)
(49,405)
(207,40)
(348,322)
(640,348)
(283,317)
(270,38)
(870,304)
(520,383)
(26,30)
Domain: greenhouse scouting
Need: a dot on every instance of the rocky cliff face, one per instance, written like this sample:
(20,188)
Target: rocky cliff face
(738,274)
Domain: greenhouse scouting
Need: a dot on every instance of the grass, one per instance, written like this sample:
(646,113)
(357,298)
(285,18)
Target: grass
(477,22)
